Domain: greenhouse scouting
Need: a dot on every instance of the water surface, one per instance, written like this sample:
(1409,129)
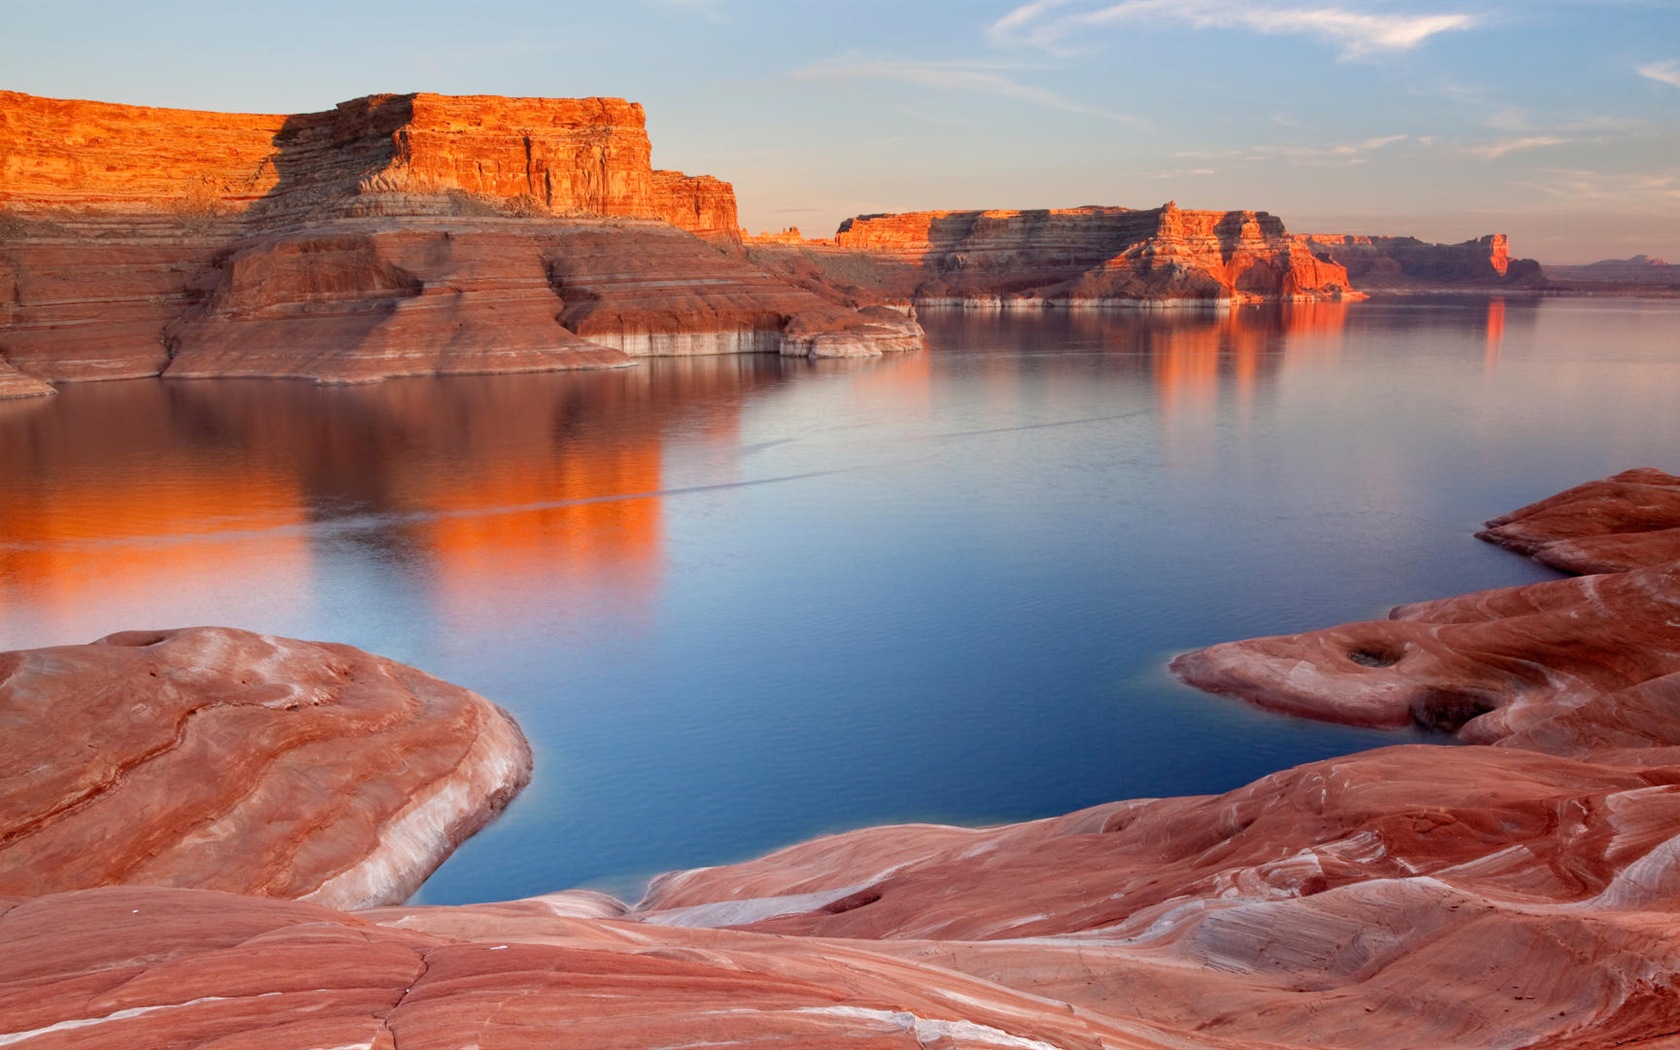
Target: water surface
(739,601)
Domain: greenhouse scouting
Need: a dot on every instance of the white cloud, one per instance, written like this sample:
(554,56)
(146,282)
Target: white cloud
(975,77)
(1355,33)
(1662,72)
(1495,150)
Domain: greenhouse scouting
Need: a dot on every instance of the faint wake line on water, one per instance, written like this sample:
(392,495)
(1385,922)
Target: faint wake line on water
(368,522)
(1044,426)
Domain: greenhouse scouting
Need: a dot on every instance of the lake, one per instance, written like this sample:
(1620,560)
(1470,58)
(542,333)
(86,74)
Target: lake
(739,601)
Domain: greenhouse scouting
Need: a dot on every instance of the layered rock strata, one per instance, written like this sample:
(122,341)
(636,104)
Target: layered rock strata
(1072,257)
(226,760)
(394,235)
(1408,264)
(1408,896)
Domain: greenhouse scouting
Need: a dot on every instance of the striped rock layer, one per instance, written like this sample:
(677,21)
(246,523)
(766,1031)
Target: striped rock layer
(393,235)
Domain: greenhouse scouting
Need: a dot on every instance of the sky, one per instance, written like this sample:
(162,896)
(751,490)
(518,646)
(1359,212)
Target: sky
(1556,123)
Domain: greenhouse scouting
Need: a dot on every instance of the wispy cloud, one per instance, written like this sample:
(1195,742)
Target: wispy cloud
(1337,153)
(1048,24)
(1662,72)
(1581,187)
(981,77)
(1495,150)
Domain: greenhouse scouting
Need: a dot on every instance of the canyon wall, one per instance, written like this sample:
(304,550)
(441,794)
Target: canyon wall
(587,156)
(391,235)
(1085,256)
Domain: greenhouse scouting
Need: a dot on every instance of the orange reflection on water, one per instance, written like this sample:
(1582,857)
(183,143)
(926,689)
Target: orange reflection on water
(583,517)
(116,543)
(1495,335)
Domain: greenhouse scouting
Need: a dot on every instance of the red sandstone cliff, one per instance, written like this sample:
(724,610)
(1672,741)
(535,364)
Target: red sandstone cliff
(392,235)
(1065,257)
(530,155)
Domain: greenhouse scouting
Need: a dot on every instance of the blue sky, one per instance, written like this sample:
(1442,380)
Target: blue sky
(1558,123)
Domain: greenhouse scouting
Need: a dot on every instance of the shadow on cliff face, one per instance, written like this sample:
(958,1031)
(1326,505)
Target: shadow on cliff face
(323,157)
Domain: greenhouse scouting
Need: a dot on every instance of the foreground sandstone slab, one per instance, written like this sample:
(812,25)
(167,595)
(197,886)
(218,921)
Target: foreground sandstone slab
(1623,522)
(222,759)
(1576,658)
(1411,896)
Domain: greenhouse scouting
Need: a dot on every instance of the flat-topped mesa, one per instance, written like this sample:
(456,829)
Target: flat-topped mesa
(393,235)
(1408,264)
(588,156)
(1097,256)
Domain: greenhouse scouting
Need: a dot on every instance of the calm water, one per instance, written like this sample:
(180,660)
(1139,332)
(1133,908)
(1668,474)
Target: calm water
(736,602)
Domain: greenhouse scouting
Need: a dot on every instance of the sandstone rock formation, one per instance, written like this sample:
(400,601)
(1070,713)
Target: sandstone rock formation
(1628,521)
(1408,264)
(393,235)
(1408,896)
(226,760)
(1541,661)
(1070,257)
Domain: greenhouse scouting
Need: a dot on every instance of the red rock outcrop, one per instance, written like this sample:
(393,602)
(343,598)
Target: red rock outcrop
(1624,522)
(1408,264)
(1516,663)
(701,204)
(1091,256)
(1484,665)
(393,235)
(226,760)
(1408,896)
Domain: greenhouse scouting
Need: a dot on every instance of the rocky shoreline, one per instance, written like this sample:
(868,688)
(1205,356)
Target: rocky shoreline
(1519,893)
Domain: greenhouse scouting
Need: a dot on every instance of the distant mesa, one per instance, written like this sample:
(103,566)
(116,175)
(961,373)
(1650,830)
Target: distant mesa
(1641,271)
(1408,264)
(1069,257)
(1111,256)
(393,235)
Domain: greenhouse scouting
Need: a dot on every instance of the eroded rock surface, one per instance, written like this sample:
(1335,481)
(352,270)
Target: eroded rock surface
(1515,664)
(1623,522)
(221,759)
(1403,897)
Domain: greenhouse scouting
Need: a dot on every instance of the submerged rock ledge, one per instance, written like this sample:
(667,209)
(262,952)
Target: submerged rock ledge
(1520,894)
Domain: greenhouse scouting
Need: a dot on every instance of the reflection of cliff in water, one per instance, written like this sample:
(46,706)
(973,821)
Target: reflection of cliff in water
(523,481)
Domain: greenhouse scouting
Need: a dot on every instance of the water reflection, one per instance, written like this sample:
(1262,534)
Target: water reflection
(739,601)
(113,493)
(1495,335)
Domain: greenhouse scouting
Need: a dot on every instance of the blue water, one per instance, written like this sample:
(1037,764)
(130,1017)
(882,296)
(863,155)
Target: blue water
(737,602)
